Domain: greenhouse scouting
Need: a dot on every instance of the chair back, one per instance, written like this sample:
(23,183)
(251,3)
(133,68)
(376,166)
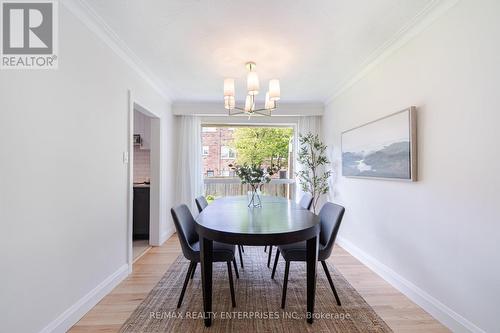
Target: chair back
(201,203)
(330,218)
(306,201)
(185,226)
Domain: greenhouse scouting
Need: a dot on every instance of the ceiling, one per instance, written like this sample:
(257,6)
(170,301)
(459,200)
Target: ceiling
(312,46)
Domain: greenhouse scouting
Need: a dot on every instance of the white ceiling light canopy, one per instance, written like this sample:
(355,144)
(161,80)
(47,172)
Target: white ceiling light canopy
(253,87)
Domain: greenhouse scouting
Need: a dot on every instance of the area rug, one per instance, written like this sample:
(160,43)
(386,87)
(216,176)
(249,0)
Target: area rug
(258,300)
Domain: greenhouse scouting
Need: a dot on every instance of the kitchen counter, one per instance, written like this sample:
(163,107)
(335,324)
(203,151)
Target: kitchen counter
(141,185)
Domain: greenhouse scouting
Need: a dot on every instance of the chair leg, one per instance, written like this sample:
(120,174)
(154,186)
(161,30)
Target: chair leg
(231,286)
(285,283)
(194,269)
(242,248)
(265,248)
(269,257)
(191,267)
(275,262)
(241,257)
(236,268)
(325,268)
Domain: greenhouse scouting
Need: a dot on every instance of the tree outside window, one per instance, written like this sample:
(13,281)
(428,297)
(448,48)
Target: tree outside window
(266,146)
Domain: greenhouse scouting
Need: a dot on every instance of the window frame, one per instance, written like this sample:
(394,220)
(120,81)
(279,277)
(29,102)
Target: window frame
(203,153)
(229,150)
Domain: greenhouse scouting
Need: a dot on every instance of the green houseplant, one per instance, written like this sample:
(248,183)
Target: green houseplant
(313,177)
(255,176)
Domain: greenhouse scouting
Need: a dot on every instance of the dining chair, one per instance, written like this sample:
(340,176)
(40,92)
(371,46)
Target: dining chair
(202,203)
(190,244)
(330,218)
(306,203)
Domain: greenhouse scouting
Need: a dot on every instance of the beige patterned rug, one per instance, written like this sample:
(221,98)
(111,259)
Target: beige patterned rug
(258,300)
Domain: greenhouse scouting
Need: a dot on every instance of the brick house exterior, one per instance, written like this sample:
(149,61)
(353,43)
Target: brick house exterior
(216,152)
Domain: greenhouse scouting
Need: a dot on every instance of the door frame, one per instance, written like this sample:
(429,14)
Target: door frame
(155,166)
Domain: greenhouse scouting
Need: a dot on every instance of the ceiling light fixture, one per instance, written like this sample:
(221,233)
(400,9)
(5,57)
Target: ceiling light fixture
(253,87)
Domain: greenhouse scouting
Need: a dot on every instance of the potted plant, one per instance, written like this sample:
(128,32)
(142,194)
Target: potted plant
(255,176)
(313,177)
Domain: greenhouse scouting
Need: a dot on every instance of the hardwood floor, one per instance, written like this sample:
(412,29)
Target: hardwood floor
(139,247)
(401,314)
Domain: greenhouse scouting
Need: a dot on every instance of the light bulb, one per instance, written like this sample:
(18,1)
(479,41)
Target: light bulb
(229,102)
(249,106)
(269,104)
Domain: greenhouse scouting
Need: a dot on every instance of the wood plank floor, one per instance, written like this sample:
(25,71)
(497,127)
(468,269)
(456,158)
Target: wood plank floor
(401,314)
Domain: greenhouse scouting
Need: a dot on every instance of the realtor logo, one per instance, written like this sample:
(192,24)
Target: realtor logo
(29,34)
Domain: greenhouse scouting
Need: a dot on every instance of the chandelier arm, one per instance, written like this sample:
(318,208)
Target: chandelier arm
(260,112)
(256,110)
(263,112)
(236,113)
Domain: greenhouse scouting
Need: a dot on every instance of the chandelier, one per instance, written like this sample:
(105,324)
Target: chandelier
(271,101)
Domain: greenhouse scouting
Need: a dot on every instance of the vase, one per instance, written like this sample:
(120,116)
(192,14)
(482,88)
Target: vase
(254,198)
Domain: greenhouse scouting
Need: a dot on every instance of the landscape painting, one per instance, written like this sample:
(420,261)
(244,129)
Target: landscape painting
(385,148)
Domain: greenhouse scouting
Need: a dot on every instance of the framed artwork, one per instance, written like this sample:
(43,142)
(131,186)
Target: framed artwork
(385,148)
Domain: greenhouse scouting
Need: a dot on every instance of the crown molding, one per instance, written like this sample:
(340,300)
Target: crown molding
(419,23)
(87,15)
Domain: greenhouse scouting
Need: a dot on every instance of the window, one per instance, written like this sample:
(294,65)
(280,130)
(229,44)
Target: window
(226,145)
(227,153)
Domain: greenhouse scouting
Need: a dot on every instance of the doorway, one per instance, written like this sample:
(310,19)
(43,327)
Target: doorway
(144,179)
(141,160)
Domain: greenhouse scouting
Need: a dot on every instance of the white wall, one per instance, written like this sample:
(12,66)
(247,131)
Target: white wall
(440,234)
(63,185)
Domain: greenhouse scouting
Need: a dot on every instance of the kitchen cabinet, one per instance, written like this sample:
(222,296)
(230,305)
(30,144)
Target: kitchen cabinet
(141,212)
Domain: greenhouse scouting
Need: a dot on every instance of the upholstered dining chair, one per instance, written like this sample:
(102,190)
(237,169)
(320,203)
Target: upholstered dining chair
(202,203)
(330,218)
(190,244)
(306,203)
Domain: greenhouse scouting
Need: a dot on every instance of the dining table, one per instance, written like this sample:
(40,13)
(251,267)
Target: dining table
(279,221)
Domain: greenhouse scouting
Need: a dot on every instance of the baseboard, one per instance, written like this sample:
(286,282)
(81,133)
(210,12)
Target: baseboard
(140,256)
(74,313)
(166,235)
(448,317)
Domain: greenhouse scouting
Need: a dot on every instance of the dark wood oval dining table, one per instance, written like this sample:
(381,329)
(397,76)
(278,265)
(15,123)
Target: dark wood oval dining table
(279,221)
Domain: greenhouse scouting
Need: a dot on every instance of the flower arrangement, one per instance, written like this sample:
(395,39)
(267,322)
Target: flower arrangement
(255,176)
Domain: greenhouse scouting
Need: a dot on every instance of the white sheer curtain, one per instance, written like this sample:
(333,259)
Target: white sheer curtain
(189,162)
(305,125)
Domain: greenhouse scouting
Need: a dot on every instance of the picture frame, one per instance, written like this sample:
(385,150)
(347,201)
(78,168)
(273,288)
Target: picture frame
(385,148)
